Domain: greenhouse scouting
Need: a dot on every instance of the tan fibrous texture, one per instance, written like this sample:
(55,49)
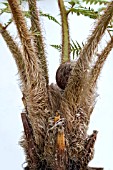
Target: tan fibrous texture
(36,92)
(79,97)
(38,38)
(17,54)
(54,121)
(24,145)
(77,123)
(65,56)
(76,129)
(95,72)
(87,154)
(50,141)
(79,75)
(55,96)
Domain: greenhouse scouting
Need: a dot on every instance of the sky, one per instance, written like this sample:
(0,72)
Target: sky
(11,154)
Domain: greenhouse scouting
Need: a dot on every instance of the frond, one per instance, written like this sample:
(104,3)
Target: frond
(57,47)
(38,38)
(75,48)
(50,17)
(65,56)
(100,2)
(5,8)
(74,2)
(80,10)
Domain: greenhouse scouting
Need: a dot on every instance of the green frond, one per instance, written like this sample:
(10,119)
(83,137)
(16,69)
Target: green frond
(5,9)
(89,12)
(8,23)
(73,2)
(75,48)
(57,47)
(50,17)
(100,2)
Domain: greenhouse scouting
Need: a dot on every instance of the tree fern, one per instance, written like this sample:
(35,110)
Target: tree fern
(56,119)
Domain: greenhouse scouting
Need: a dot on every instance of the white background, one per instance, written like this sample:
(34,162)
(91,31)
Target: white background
(11,154)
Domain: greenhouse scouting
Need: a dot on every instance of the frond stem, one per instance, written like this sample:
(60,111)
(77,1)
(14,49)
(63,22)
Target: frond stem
(65,57)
